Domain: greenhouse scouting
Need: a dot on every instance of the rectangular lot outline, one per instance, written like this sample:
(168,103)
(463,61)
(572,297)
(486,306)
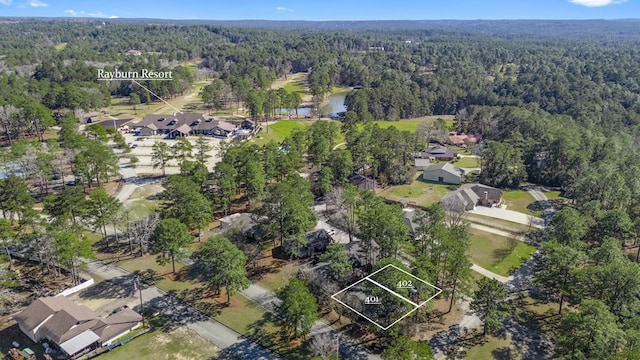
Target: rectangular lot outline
(367,278)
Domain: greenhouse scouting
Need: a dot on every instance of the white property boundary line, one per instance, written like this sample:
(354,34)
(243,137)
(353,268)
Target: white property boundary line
(367,278)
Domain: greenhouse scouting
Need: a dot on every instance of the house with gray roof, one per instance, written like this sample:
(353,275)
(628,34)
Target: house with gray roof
(439,153)
(444,174)
(468,196)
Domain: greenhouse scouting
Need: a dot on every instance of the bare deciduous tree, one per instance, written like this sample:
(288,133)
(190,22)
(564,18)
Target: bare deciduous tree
(323,345)
(140,231)
(454,210)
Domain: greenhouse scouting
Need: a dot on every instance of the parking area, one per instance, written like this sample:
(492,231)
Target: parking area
(142,148)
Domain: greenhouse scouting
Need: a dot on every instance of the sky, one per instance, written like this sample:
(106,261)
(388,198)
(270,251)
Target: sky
(326,9)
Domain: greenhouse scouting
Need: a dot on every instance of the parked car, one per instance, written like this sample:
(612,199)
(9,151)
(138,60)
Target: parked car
(141,139)
(134,146)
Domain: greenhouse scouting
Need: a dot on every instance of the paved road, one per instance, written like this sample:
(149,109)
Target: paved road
(509,215)
(489,274)
(496,231)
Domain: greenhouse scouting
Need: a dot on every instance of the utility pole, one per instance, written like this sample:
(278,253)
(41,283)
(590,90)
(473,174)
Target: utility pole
(138,285)
(338,346)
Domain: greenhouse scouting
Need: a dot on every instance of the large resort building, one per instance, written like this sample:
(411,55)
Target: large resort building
(188,124)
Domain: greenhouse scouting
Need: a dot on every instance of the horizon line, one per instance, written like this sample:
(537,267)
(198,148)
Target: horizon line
(297,20)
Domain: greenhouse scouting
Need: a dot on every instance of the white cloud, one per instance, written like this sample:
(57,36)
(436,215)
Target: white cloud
(92,14)
(282,8)
(5,2)
(597,3)
(37,3)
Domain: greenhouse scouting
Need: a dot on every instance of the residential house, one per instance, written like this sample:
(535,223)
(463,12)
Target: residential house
(461,139)
(421,164)
(121,125)
(133,52)
(439,153)
(247,129)
(468,196)
(246,223)
(317,242)
(362,182)
(72,327)
(444,174)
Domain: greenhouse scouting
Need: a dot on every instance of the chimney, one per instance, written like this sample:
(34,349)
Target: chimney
(486,196)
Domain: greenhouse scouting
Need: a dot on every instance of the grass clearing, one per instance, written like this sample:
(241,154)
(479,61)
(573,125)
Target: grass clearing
(276,280)
(148,262)
(280,130)
(492,348)
(177,344)
(411,124)
(522,201)
(142,202)
(497,253)
(60,46)
(189,102)
(467,162)
(420,192)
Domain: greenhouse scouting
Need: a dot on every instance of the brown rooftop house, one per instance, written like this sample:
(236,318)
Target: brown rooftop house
(439,153)
(461,139)
(72,327)
(468,196)
(363,182)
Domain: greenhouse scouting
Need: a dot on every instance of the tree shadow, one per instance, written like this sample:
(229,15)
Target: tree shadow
(176,312)
(503,353)
(118,287)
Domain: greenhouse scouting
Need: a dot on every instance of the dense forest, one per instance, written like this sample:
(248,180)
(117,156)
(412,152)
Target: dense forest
(557,103)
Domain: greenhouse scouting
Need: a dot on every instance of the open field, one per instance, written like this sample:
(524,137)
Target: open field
(467,162)
(490,347)
(177,344)
(279,130)
(190,101)
(60,46)
(412,124)
(420,192)
(522,201)
(497,253)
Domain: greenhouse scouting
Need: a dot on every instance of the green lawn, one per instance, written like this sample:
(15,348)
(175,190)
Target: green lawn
(189,102)
(242,315)
(491,348)
(411,124)
(60,46)
(276,281)
(419,191)
(497,253)
(283,128)
(148,262)
(467,162)
(522,201)
(296,86)
(178,344)
(280,130)
(139,204)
